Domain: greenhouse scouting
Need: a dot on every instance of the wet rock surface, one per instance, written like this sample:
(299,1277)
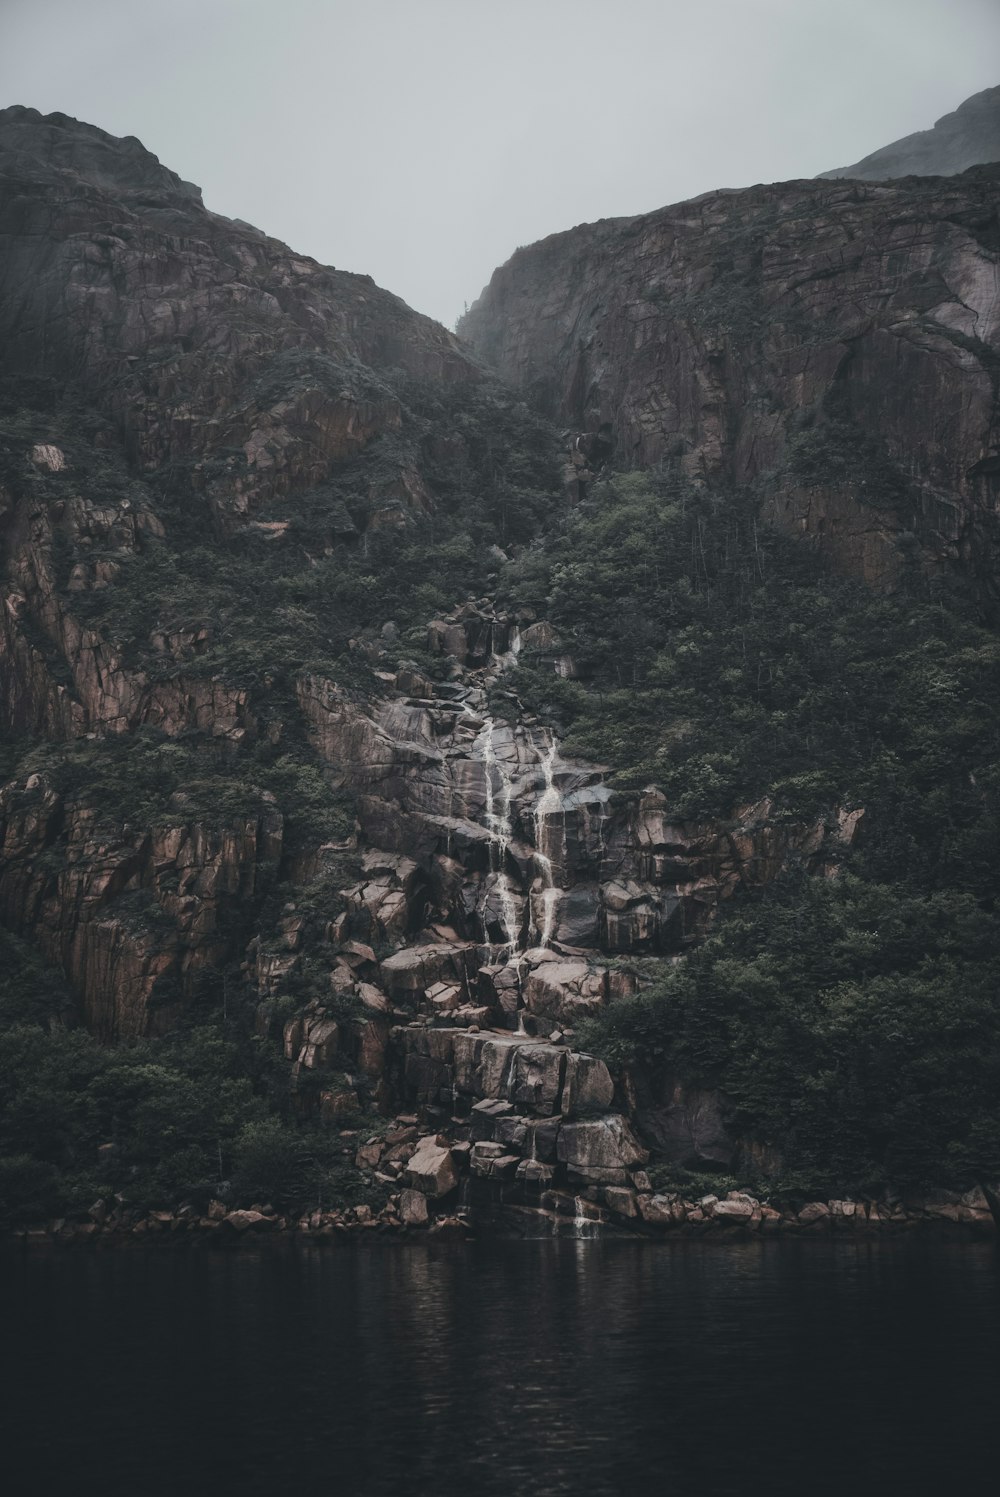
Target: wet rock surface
(144,342)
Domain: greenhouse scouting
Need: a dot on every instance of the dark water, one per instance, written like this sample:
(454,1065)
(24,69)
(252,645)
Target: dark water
(521,1368)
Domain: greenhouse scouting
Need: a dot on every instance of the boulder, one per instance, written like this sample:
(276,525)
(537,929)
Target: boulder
(741,1209)
(590,1148)
(534,1137)
(587,1087)
(657,1210)
(483,1062)
(563,991)
(246,1221)
(534,1172)
(486,1116)
(369,1153)
(620,1200)
(431,1169)
(413,1210)
(536,1078)
(409,973)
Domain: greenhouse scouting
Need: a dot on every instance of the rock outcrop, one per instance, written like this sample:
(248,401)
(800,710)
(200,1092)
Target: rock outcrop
(833,343)
(521,849)
(131,915)
(968,136)
(203,339)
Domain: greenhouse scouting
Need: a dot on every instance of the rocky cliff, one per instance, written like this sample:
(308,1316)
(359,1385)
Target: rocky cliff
(156,354)
(834,345)
(207,351)
(287,645)
(968,136)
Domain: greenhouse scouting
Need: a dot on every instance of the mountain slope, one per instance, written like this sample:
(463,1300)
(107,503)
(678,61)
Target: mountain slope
(968,136)
(356,764)
(834,345)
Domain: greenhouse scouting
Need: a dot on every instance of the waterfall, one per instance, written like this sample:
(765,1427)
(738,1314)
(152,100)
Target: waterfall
(498,825)
(549,854)
(583,1226)
(549,807)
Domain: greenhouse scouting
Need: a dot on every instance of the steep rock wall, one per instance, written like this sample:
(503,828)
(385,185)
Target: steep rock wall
(837,343)
(203,338)
(130,915)
(968,136)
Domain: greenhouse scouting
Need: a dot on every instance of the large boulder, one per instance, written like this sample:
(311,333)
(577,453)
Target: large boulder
(483,1063)
(432,1169)
(536,1078)
(413,1208)
(602,1149)
(387,903)
(409,973)
(561,991)
(587,1087)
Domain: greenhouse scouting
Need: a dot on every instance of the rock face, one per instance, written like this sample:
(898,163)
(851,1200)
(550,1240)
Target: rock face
(201,337)
(833,343)
(141,336)
(522,850)
(134,916)
(440,952)
(969,136)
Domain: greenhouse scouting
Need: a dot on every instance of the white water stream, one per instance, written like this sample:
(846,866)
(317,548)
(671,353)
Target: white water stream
(549,818)
(498,825)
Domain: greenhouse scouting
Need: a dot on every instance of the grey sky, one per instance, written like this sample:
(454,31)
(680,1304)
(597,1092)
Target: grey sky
(421,141)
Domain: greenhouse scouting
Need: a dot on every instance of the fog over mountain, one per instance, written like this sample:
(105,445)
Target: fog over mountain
(969,136)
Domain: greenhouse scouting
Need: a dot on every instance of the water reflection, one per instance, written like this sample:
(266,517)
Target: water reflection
(540,1368)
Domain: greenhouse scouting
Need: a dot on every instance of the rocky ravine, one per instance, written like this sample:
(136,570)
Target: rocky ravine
(513,877)
(834,343)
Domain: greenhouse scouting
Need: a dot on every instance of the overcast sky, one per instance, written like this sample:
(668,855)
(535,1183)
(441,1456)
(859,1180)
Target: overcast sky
(421,141)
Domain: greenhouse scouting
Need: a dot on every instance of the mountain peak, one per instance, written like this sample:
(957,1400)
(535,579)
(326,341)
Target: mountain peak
(968,136)
(49,145)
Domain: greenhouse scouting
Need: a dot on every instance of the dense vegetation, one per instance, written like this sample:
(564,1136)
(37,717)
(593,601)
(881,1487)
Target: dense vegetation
(208,1110)
(721,660)
(200,1113)
(273,608)
(854,1024)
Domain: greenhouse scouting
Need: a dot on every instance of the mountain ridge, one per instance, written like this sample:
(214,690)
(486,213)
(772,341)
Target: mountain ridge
(967,136)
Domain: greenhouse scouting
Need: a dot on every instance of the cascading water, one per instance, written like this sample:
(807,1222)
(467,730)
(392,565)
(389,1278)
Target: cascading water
(550,822)
(498,825)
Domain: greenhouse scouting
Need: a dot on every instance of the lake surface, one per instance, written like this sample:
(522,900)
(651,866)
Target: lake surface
(515,1368)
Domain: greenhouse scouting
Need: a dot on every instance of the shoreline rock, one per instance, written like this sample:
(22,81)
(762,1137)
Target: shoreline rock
(598,1210)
